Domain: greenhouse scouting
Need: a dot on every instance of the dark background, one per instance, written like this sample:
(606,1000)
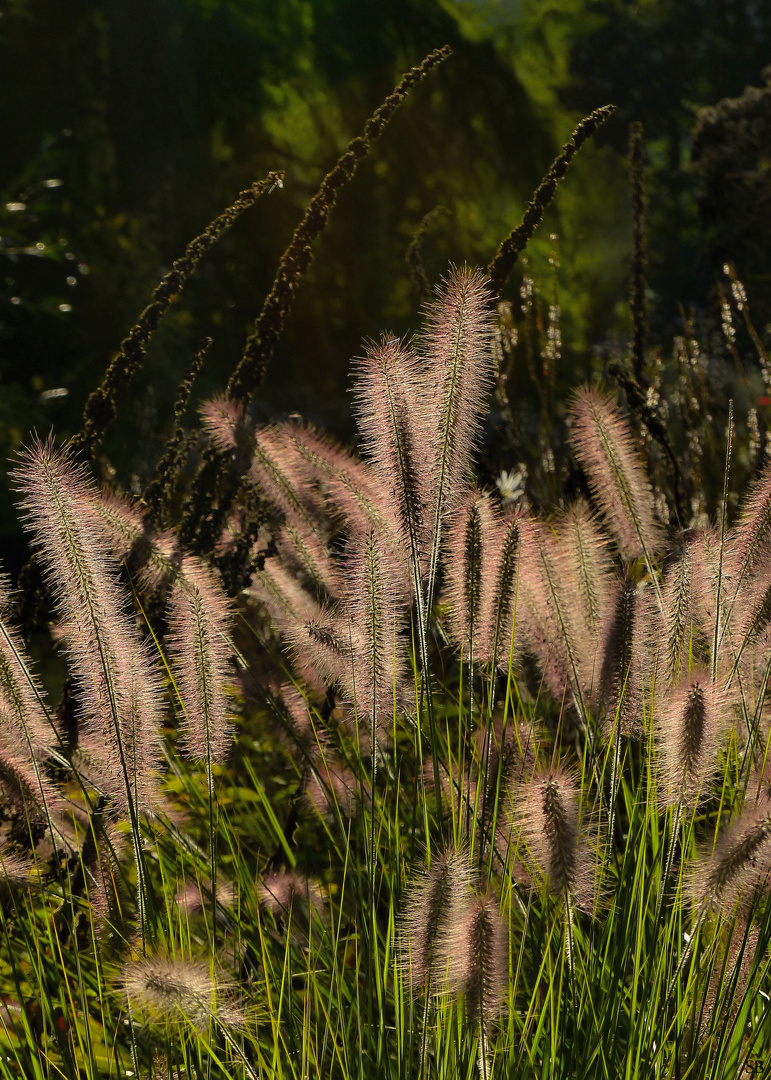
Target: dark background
(128,124)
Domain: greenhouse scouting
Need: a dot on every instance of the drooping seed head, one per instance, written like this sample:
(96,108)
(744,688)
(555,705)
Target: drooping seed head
(167,990)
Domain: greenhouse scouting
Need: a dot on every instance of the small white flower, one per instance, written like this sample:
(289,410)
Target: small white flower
(510,486)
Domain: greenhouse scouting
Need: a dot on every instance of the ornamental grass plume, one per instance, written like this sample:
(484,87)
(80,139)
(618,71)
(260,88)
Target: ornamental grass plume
(468,563)
(199,644)
(603,445)
(738,866)
(290,895)
(472,954)
(373,608)
(626,661)
(392,410)
(168,991)
(545,815)
(117,682)
(501,637)
(692,719)
(460,369)
(583,569)
(430,902)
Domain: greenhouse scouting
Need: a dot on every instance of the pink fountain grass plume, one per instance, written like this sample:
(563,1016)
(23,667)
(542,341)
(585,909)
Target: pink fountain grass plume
(322,644)
(391,411)
(751,536)
(691,723)
(330,787)
(287,480)
(200,619)
(739,865)
(429,903)
(678,616)
(282,596)
(542,609)
(467,562)
(622,641)
(375,612)
(545,815)
(357,497)
(304,553)
(500,635)
(21,695)
(306,729)
(223,422)
(603,444)
(289,894)
(473,949)
(176,990)
(116,679)
(582,563)
(23,782)
(460,372)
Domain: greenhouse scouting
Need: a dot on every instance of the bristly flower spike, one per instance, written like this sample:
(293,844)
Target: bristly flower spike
(692,720)
(430,903)
(390,408)
(461,370)
(172,991)
(603,445)
(467,570)
(473,950)
(199,620)
(499,596)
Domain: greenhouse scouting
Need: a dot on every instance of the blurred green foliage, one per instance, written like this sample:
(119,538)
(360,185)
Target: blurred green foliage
(128,124)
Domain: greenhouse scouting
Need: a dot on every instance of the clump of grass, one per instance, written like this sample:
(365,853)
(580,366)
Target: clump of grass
(451,787)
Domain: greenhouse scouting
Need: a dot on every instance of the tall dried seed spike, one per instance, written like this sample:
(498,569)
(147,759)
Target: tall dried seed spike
(460,368)
(297,257)
(429,904)
(603,445)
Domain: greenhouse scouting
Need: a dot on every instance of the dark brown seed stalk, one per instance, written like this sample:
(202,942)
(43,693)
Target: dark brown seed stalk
(298,256)
(100,407)
(515,243)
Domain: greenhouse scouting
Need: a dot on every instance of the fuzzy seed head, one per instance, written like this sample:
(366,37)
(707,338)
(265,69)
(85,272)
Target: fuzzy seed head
(603,444)
(430,903)
(169,991)
(692,720)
